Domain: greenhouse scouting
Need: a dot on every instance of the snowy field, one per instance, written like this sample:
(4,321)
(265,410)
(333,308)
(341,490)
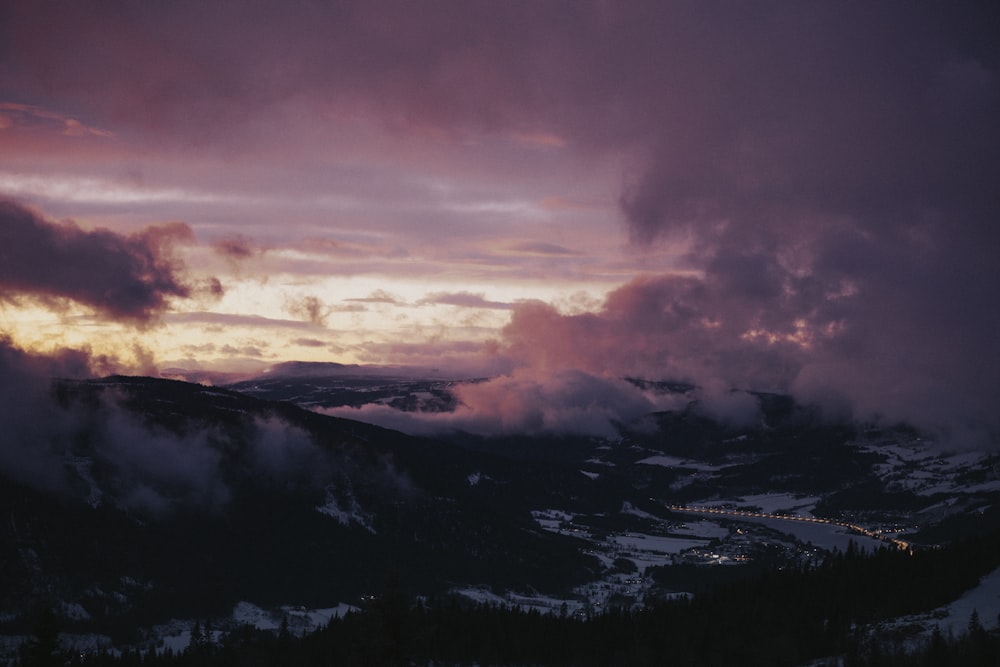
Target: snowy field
(706,529)
(771,503)
(653,544)
(984,599)
(541,603)
(921,467)
(552,520)
(953,619)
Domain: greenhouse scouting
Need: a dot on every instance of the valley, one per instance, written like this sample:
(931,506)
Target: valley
(180,503)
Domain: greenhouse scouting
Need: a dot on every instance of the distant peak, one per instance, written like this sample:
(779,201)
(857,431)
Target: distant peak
(309,368)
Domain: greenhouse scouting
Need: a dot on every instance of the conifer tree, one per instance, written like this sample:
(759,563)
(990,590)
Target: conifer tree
(197,638)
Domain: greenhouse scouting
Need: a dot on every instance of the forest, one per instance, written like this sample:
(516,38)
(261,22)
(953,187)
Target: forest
(786,616)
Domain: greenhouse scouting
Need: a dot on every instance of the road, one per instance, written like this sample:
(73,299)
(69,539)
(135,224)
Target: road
(737,514)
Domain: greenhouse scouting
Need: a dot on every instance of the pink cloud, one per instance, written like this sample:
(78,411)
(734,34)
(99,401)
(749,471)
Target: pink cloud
(567,401)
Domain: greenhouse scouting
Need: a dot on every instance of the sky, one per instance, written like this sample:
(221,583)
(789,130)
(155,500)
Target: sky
(779,196)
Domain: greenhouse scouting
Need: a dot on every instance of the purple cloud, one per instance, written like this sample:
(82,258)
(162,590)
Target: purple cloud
(129,278)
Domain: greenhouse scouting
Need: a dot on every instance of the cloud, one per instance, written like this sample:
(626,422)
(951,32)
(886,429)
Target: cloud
(378,296)
(525,402)
(235,247)
(464,300)
(29,419)
(48,436)
(153,470)
(14,114)
(540,248)
(841,218)
(288,454)
(128,278)
(244,351)
(233,319)
(309,308)
(309,342)
(850,343)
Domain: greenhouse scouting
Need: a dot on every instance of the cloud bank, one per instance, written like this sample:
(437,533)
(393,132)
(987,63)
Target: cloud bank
(102,452)
(566,401)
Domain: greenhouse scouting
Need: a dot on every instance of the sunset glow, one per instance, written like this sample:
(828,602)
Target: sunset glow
(773,197)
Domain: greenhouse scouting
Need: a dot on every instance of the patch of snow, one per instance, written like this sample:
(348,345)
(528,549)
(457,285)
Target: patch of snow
(74,611)
(552,515)
(216,392)
(654,544)
(86,642)
(541,603)
(984,598)
(481,595)
(10,645)
(921,467)
(473,479)
(302,620)
(83,467)
(347,512)
(557,521)
(591,475)
(706,529)
(176,635)
(629,508)
(677,462)
(600,462)
(953,618)
(771,503)
(177,642)
(784,502)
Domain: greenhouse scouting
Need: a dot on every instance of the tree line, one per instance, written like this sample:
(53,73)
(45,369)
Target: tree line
(784,617)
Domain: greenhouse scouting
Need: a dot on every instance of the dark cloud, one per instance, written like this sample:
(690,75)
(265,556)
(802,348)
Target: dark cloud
(129,278)
(309,342)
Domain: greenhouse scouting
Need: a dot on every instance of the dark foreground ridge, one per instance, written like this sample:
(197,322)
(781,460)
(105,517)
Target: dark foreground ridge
(782,618)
